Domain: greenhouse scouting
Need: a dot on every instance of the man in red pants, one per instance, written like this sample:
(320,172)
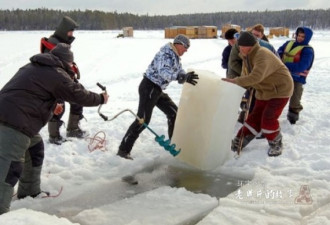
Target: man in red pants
(265,72)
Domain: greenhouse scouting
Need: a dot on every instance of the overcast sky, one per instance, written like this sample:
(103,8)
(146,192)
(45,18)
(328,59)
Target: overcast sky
(166,7)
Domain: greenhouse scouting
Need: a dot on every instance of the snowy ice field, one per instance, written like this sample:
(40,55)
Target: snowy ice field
(253,189)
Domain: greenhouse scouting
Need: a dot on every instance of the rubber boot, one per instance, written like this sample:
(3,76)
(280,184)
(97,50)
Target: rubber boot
(124,155)
(6,194)
(54,132)
(293,117)
(73,129)
(29,183)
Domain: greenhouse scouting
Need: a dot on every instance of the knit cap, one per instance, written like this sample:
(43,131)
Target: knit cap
(63,52)
(182,40)
(246,39)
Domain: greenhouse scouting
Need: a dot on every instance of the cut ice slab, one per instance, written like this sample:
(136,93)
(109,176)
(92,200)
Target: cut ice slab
(203,130)
(28,216)
(164,205)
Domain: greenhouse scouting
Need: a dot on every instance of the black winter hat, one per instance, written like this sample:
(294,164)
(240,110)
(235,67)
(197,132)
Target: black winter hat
(63,52)
(230,33)
(246,39)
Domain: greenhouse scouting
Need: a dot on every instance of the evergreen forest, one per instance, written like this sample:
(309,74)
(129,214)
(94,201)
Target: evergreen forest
(47,19)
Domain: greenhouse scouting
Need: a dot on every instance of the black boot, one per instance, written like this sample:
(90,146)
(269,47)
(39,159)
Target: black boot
(54,132)
(275,146)
(124,154)
(73,129)
(246,140)
(293,117)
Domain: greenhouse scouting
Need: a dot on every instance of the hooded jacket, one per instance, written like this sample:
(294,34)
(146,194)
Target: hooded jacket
(67,24)
(266,73)
(60,35)
(27,101)
(306,56)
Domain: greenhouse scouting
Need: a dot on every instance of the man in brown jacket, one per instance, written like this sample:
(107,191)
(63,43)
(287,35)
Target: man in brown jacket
(263,71)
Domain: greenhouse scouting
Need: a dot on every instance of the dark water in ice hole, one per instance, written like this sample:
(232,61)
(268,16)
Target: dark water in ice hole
(194,180)
(197,181)
(153,175)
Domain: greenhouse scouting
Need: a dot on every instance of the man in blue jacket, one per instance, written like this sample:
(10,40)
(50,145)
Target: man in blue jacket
(229,36)
(298,56)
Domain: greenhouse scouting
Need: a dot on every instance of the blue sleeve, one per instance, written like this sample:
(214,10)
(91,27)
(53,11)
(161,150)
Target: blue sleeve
(281,49)
(306,59)
(274,51)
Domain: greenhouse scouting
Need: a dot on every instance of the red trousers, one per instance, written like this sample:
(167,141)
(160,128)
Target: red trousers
(264,118)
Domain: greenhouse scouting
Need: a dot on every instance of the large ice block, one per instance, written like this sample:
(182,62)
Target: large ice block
(206,120)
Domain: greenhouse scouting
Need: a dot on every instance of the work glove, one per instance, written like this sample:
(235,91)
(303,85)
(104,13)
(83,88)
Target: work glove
(76,70)
(58,109)
(190,77)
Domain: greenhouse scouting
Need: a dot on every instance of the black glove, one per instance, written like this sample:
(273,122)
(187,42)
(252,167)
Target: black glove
(192,78)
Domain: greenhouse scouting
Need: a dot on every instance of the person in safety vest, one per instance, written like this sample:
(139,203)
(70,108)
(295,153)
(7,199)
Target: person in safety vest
(64,34)
(298,56)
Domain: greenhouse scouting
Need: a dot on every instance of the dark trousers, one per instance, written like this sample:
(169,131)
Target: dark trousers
(151,95)
(295,105)
(21,158)
(75,109)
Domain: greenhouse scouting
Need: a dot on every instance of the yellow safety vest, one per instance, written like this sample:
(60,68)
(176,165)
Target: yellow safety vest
(292,55)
